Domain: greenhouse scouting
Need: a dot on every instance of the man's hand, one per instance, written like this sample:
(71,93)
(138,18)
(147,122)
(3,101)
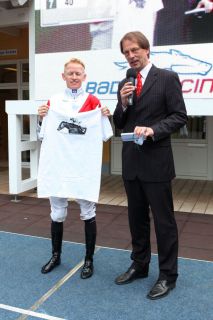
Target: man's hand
(126,90)
(207,4)
(42,110)
(105,111)
(144,131)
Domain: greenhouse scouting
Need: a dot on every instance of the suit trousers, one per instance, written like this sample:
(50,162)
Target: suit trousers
(59,209)
(157,196)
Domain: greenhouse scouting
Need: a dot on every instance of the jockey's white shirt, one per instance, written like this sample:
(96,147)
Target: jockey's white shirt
(70,162)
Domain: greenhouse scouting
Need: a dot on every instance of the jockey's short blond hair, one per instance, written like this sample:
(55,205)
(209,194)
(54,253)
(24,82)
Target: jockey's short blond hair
(74,60)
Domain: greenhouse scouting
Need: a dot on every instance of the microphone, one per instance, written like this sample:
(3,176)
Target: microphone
(131,75)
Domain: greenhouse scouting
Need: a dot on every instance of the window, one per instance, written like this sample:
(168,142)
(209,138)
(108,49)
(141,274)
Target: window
(8,73)
(195,129)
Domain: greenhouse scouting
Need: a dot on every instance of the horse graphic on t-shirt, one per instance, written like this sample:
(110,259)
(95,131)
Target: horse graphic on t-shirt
(72,127)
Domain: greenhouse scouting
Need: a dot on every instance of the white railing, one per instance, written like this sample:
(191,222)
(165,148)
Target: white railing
(16,144)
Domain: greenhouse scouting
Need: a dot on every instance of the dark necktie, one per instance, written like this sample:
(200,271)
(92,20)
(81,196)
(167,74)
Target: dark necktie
(139,85)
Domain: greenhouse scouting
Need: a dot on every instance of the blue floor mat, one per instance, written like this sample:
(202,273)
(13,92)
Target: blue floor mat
(97,298)
(21,280)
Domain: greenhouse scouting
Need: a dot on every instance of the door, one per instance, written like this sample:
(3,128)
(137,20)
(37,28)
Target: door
(14,85)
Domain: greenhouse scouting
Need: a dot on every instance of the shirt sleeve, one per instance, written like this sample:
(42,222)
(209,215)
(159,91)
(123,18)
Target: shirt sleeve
(41,128)
(107,132)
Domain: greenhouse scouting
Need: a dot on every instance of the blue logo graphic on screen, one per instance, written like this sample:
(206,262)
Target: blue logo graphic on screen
(177,61)
(172,59)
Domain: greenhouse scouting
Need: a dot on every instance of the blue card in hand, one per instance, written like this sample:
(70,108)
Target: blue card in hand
(131,136)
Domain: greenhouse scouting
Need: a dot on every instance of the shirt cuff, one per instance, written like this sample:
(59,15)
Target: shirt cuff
(124,108)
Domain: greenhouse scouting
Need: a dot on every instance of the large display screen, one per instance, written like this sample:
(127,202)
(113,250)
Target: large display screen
(180,35)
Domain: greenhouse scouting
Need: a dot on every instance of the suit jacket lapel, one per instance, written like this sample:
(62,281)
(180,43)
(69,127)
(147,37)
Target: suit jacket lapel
(150,80)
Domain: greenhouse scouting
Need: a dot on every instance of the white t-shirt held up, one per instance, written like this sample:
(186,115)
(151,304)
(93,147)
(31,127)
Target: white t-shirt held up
(71,153)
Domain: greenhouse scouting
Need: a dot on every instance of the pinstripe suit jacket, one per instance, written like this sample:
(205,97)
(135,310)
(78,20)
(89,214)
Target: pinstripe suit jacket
(161,107)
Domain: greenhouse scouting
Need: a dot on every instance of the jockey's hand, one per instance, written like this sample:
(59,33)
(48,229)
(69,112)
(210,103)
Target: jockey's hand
(105,111)
(42,110)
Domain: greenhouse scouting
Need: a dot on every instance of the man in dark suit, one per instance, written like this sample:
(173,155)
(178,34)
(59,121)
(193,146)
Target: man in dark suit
(147,170)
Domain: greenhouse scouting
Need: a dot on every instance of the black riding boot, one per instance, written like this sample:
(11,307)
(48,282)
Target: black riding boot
(57,235)
(90,238)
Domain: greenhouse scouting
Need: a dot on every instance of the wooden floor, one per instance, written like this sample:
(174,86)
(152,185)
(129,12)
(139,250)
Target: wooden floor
(189,195)
(194,196)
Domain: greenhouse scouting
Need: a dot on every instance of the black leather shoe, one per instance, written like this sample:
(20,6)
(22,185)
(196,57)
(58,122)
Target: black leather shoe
(52,263)
(160,289)
(130,275)
(87,270)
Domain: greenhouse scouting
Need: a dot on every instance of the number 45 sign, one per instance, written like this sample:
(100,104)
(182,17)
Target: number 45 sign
(54,4)
(62,12)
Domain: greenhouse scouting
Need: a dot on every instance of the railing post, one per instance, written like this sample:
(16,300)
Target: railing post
(14,141)
(15,110)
